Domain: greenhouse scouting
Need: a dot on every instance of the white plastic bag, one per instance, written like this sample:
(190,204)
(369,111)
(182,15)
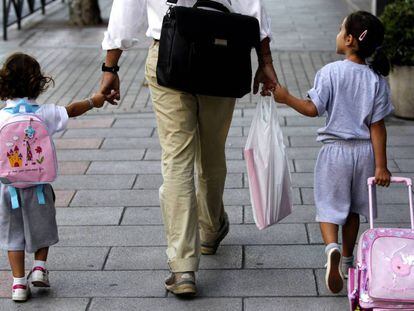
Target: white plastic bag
(268,167)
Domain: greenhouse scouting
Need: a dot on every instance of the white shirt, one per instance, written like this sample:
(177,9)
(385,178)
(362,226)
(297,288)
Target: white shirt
(55,117)
(127,16)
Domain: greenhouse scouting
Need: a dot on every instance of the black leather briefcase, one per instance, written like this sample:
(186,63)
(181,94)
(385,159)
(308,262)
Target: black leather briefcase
(207,52)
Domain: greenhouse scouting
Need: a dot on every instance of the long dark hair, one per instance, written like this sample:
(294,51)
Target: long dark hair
(21,76)
(368,31)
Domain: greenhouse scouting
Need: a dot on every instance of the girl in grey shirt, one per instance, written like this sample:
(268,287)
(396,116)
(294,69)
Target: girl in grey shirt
(355,97)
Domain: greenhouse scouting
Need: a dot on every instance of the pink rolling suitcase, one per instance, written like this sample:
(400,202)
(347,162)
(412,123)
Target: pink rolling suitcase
(383,278)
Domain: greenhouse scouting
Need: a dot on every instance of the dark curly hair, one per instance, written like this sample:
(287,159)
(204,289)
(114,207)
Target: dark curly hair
(369,31)
(21,77)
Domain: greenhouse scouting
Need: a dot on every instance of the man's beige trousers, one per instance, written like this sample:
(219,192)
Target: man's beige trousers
(192,132)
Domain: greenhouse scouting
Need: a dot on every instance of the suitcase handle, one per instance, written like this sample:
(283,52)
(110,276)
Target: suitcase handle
(397,180)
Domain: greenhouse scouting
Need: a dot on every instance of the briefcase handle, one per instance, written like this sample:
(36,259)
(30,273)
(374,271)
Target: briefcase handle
(212,5)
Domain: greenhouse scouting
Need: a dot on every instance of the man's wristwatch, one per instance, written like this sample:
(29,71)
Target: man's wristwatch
(113,69)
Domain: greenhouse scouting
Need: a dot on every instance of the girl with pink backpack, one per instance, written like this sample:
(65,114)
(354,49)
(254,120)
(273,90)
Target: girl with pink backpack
(354,95)
(27,166)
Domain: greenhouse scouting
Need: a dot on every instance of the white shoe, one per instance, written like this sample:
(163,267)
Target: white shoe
(20,292)
(334,279)
(346,267)
(40,277)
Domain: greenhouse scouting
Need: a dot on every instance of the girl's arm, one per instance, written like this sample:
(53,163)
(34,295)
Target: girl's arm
(379,144)
(78,108)
(305,107)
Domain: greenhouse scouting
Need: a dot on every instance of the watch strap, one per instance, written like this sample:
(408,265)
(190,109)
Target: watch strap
(113,69)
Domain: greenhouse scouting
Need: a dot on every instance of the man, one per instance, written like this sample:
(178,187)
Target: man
(192,130)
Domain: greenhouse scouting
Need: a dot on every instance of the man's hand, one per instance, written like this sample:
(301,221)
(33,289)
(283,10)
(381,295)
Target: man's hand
(99,99)
(110,87)
(265,75)
(382,177)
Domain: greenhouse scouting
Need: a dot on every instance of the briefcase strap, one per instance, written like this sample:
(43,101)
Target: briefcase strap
(206,4)
(211,4)
(172,2)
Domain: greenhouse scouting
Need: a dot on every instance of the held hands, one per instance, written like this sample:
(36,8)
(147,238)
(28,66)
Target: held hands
(266,75)
(110,87)
(382,177)
(281,94)
(99,99)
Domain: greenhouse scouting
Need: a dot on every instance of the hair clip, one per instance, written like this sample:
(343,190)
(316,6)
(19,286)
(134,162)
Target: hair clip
(363,34)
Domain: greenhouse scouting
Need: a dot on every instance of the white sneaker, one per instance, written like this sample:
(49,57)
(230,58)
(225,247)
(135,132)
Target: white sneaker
(334,278)
(346,267)
(20,292)
(40,277)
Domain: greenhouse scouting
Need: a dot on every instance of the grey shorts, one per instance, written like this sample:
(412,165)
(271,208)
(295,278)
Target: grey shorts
(341,174)
(31,226)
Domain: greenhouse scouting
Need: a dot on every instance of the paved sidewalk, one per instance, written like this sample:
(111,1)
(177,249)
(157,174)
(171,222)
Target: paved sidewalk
(111,250)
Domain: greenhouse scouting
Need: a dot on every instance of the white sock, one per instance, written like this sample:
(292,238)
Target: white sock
(20,281)
(348,260)
(331,246)
(39,263)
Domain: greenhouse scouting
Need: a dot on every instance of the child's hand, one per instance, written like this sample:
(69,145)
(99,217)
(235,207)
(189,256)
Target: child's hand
(382,177)
(99,99)
(281,94)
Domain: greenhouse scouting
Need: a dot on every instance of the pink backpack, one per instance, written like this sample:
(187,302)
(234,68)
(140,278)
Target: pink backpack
(383,278)
(27,153)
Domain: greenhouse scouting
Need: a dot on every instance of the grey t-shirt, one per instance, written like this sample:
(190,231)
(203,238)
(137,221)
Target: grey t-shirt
(353,96)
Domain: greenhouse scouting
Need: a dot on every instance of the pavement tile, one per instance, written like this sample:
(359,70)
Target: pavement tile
(300,214)
(116,198)
(86,123)
(78,143)
(285,304)
(154,258)
(87,236)
(278,234)
(406,165)
(101,155)
(281,257)
(68,258)
(241,283)
(152,215)
(102,182)
(135,122)
(131,143)
(88,216)
(124,167)
(73,168)
(109,132)
(46,304)
(63,197)
(105,284)
(151,304)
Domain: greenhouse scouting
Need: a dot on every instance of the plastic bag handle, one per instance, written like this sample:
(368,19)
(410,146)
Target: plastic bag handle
(395,180)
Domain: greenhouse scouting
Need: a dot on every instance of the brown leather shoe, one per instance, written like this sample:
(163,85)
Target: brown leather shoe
(210,247)
(181,284)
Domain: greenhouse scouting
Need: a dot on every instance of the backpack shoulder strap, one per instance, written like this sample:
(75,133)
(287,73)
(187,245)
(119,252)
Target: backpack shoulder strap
(14,197)
(22,103)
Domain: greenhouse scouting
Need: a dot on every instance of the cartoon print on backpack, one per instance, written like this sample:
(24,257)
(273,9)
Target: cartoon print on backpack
(14,156)
(27,141)
(39,152)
